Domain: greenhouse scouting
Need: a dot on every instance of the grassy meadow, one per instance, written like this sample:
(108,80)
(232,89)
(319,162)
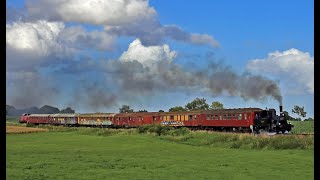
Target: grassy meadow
(302,127)
(155,153)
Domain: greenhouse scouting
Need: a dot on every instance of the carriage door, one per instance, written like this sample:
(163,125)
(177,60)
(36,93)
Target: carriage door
(153,120)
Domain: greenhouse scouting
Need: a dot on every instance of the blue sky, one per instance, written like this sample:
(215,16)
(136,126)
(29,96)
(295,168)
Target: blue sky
(246,31)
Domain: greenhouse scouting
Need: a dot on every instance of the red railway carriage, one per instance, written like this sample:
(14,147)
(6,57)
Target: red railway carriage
(229,118)
(136,119)
(39,119)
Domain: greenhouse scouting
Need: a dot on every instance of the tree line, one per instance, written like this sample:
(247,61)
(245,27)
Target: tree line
(196,104)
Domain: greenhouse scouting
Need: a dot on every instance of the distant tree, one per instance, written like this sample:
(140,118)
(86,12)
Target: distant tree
(143,110)
(299,111)
(216,105)
(176,108)
(197,104)
(67,110)
(125,109)
(309,119)
(161,110)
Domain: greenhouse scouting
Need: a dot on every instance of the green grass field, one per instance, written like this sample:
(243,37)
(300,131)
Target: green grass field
(303,127)
(90,153)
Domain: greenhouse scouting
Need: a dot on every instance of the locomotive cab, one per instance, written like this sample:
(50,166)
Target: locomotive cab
(263,120)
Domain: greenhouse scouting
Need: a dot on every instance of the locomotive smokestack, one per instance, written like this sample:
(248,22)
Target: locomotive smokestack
(280,108)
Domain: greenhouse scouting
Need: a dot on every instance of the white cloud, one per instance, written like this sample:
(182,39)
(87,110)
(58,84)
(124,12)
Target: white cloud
(39,38)
(133,18)
(295,66)
(31,44)
(147,56)
(108,12)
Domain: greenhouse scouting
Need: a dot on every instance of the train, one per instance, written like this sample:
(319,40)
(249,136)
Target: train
(254,120)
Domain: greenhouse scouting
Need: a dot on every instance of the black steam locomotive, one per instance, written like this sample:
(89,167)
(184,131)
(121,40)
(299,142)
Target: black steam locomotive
(267,120)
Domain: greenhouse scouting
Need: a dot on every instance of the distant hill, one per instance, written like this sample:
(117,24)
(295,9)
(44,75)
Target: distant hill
(12,111)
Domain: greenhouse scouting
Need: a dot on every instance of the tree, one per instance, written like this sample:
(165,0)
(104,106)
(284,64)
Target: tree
(161,110)
(176,108)
(67,110)
(309,119)
(299,111)
(216,105)
(197,104)
(125,109)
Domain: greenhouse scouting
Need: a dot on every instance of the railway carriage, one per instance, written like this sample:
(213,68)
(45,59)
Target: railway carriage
(95,119)
(226,119)
(39,118)
(64,119)
(136,119)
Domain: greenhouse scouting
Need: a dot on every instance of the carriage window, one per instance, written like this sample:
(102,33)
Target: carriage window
(239,116)
(164,118)
(216,117)
(229,116)
(154,118)
(195,116)
(245,116)
(171,118)
(224,117)
(190,117)
(208,117)
(234,116)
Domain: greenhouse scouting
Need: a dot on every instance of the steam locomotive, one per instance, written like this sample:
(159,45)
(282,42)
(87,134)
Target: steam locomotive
(253,120)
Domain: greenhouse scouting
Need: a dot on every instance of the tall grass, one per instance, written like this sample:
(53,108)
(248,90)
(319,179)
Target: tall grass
(22,130)
(244,141)
(200,138)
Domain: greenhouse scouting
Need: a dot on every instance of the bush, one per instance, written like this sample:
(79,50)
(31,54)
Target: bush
(30,125)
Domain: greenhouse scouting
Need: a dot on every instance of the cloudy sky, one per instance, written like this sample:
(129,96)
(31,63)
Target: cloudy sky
(95,55)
